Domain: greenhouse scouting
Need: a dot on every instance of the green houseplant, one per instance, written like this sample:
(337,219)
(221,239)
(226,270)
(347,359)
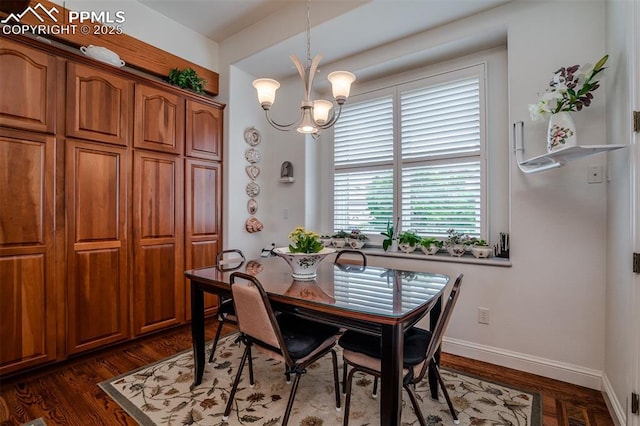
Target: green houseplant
(430,245)
(481,249)
(407,241)
(390,234)
(187,79)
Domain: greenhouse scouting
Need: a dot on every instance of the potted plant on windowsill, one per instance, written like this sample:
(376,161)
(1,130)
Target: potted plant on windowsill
(430,245)
(357,239)
(455,242)
(339,239)
(480,249)
(391,240)
(408,241)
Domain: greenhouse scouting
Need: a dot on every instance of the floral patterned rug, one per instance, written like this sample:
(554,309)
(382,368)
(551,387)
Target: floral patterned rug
(160,394)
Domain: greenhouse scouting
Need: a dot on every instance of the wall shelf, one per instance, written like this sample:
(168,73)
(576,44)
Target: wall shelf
(555,159)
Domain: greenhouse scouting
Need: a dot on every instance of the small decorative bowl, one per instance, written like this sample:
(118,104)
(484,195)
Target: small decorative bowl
(356,244)
(432,249)
(338,242)
(481,252)
(407,248)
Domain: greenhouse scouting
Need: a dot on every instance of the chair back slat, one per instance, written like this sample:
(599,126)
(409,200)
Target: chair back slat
(443,321)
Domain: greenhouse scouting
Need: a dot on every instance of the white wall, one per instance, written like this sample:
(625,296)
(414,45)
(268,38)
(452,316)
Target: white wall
(548,309)
(619,341)
(153,28)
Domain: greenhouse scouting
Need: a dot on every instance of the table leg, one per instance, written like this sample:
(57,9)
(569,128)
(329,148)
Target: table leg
(434,316)
(197,331)
(391,372)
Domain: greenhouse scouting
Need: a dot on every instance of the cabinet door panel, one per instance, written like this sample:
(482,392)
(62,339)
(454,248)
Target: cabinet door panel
(204,131)
(27,287)
(98,105)
(203,221)
(158,231)
(27,87)
(96,196)
(159,120)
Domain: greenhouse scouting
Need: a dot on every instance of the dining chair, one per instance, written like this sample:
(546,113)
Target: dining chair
(226,260)
(362,353)
(295,341)
(351,258)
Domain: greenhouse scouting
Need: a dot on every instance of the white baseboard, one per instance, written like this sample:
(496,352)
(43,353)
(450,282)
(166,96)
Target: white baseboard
(616,409)
(531,364)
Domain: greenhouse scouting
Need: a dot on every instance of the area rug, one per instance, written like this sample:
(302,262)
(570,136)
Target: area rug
(160,394)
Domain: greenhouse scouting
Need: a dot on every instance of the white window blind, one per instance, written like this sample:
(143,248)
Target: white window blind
(421,146)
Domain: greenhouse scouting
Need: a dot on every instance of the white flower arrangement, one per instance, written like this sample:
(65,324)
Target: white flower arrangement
(570,89)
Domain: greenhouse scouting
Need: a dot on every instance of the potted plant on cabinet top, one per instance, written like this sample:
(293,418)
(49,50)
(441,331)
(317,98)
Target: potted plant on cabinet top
(430,245)
(407,241)
(481,249)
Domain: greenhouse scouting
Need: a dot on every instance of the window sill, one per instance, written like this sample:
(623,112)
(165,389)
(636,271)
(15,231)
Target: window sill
(466,258)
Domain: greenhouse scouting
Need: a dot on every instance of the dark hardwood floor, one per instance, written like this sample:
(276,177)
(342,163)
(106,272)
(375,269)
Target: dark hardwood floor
(66,394)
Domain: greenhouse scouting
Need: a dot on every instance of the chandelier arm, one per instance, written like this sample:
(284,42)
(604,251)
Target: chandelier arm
(282,127)
(312,72)
(301,71)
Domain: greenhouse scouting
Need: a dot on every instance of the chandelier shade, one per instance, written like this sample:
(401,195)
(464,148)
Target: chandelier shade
(315,115)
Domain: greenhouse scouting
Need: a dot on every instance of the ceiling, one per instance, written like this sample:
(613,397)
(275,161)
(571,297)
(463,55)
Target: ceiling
(340,28)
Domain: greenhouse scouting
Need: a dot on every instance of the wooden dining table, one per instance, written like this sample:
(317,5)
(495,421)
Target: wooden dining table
(379,301)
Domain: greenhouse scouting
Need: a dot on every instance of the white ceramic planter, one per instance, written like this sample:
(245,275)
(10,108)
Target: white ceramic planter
(304,266)
(406,247)
(456,250)
(432,249)
(481,252)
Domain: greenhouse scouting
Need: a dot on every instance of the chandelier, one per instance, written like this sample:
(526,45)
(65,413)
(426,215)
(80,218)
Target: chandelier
(314,115)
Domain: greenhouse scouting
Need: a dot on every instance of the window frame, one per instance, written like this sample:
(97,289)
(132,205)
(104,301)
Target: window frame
(477,69)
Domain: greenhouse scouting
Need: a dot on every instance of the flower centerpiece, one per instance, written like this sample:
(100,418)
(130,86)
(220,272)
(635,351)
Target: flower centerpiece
(304,254)
(570,89)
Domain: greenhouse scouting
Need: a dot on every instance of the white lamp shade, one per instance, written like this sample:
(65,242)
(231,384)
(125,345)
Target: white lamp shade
(321,110)
(307,125)
(266,88)
(341,84)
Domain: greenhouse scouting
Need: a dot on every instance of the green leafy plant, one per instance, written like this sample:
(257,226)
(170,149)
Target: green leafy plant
(357,235)
(187,79)
(427,241)
(409,237)
(303,241)
(480,243)
(341,234)
(386,243)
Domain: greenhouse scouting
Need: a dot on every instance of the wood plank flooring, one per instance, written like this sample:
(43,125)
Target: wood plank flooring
(66,394)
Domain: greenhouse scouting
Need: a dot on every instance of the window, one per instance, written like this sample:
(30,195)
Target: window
(414,151)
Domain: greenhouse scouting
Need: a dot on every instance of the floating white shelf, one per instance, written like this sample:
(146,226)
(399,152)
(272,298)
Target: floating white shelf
(287,180)
(555,159)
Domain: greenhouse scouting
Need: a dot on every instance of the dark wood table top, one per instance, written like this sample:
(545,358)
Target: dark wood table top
(380,295)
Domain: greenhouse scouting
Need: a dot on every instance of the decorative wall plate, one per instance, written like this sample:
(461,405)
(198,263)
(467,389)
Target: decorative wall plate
(253,225)
(252,136)
(252,171)
(252,155)
(252,189)
(252,206)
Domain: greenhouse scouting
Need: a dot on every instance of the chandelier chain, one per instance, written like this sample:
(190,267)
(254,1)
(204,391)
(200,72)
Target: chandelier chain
(308,33)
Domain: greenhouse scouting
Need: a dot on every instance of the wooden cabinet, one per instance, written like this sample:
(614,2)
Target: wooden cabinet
(97,276)
(203,193)
(98,105)
(159,116)
(27,314)
(110,187)
(204,131)
(27,88)
(158,278)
